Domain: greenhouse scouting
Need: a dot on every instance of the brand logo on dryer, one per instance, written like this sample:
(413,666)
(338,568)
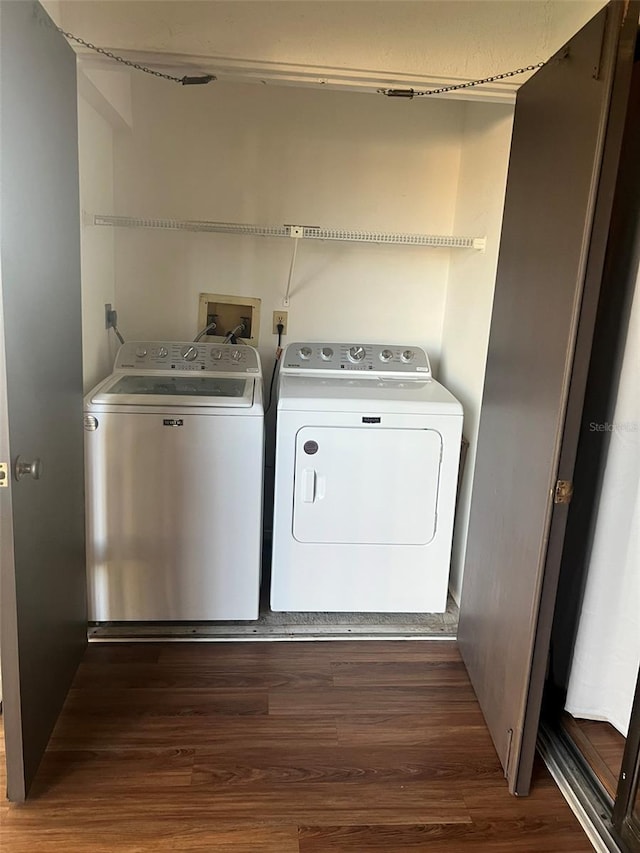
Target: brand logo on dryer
(173,422)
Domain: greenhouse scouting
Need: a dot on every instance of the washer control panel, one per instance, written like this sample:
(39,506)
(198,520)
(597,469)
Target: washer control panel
(178,355)
(364,358)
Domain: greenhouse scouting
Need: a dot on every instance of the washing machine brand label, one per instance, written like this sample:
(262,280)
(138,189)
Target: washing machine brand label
(310,447)
(371,420)
(173,422)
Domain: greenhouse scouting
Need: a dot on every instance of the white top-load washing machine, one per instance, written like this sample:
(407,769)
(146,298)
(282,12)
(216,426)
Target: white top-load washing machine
(367,456)
(174,481)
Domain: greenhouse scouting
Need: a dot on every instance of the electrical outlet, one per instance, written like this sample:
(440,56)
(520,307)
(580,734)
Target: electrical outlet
(110,317)
(280,317)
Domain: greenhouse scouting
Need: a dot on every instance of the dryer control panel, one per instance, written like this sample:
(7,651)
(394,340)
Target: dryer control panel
(375,359)
(185,355)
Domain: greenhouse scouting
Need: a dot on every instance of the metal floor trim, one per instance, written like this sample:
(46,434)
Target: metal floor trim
(588,808)
(133,635)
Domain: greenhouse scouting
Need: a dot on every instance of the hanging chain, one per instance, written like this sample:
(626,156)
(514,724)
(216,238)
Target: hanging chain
(185,81)
(207,78)
(411,93)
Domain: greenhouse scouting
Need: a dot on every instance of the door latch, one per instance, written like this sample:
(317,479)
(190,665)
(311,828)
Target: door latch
(4,475)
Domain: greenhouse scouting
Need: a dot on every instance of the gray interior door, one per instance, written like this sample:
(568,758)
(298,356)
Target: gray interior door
(43,599)
(566,142)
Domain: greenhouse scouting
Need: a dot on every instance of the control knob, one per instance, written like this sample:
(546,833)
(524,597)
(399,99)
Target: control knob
(141,352)
(189,353)
(163,352)
(356,353)
(236,355)
(326,353)
(386,355)
(408,355)
(216,354)
(305,353)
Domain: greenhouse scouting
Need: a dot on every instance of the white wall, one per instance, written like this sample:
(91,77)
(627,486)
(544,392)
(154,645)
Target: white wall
(483,171)
(97,245)
(241,153)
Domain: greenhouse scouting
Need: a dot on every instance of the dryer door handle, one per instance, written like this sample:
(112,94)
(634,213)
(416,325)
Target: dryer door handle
(308,485)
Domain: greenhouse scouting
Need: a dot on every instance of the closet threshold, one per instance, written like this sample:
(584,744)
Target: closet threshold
(138,635)
(272,627)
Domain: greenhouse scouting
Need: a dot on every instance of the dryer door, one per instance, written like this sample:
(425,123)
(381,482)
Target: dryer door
(366,486)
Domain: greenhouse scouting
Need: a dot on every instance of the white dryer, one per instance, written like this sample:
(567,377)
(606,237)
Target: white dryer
(367,455)
(174,448)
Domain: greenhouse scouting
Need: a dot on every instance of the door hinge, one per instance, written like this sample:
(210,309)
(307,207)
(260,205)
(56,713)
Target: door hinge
(563,492)
(4,475)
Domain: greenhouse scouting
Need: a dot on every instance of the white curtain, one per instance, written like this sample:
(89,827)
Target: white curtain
(607,653)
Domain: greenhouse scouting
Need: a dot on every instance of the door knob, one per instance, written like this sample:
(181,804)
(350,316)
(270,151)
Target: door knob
(26,469)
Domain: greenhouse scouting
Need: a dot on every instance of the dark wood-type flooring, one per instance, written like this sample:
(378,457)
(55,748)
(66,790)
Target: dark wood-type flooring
(601,745)
(333,747)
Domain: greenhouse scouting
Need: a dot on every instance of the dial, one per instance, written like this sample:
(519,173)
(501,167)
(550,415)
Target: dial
(357,353)
(141,352)
(408,355)
(326,353)
(386,355)
(236,355)
(305,353)
(216,354)
(163,352)
(189,353)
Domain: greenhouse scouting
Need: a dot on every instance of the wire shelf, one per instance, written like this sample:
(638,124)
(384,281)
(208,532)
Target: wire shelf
(307,232)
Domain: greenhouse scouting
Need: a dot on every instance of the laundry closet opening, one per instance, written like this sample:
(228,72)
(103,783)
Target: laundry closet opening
(372,223)
(360,167)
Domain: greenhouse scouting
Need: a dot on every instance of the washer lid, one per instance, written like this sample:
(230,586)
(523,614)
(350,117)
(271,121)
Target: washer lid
(148,389)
